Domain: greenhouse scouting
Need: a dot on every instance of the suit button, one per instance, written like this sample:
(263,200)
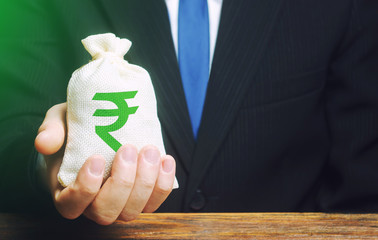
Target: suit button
(198,202)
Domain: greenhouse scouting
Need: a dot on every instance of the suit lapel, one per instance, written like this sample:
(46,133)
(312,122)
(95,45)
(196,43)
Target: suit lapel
(147,24)
(242,36)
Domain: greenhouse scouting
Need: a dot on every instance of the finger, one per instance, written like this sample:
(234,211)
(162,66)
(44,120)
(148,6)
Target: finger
(113,195)
(163,186)
(51,134)
(146,176)
(74,199)
(53,163)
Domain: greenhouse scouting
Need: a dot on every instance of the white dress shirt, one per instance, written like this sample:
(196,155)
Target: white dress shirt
(214,6)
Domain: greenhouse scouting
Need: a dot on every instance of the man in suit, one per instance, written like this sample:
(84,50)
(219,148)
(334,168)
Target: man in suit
(289,122)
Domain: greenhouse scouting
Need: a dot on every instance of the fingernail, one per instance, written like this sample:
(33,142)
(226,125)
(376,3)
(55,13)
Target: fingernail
(43,134)
(129,155)
(43,138)
(168,165)
(96,166)
(151,155)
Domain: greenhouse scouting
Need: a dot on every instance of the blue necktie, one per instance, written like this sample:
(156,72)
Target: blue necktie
(193,55)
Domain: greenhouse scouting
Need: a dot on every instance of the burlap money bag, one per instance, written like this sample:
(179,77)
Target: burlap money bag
(110,102)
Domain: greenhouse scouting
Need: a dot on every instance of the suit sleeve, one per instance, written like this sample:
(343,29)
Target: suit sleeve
(351,183)
(32,79)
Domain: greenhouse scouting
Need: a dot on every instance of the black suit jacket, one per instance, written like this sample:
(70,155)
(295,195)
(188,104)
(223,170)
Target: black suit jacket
(290,121)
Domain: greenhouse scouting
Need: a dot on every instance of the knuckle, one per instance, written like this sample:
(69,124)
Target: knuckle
(123,181)
(129,216)
(86,191)
(68,214)
(52,124)
(52,111)
(105,222)
(55,111)
(147,183)
(102,219)
(163,190)
(71,190)
(126,183)
(59,106)
(101,215)
(150,208)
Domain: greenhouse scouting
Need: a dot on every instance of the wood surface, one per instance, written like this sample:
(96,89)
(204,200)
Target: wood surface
(197,226)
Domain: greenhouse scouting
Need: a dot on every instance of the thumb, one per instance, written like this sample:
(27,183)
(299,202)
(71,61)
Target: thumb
(52,133)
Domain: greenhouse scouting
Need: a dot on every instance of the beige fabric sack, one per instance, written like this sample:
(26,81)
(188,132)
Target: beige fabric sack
(110,102)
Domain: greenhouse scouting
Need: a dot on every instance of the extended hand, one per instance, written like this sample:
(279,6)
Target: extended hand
(138,182)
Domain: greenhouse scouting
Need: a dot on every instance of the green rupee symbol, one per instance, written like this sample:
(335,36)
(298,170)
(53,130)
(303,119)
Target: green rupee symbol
(122,112)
